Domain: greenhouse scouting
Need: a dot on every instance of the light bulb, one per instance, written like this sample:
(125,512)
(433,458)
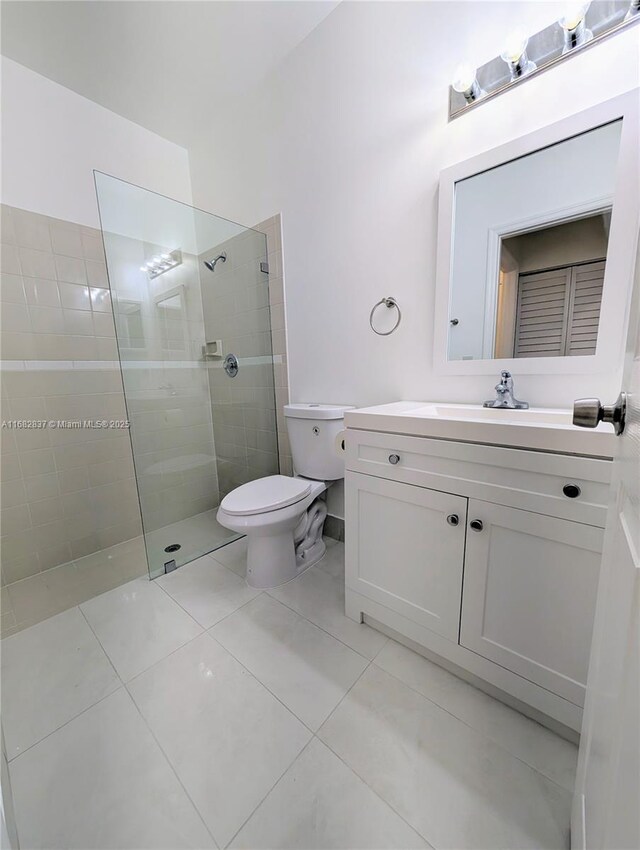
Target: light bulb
(466,83)
(515,55)
(573,15)
(463,78)
(514,46)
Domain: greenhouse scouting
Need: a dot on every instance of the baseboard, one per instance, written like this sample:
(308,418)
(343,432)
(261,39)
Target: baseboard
(578,823)
(334,528)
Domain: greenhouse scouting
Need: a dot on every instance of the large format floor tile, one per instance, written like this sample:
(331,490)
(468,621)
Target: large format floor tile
(50,673)
(333,561)
(45,594)
(303,666)
(529,741)
(319,803)
(452,784)
(137,625)
(101,782)
(228,739)
(207,590)
(233,556)
(320,598)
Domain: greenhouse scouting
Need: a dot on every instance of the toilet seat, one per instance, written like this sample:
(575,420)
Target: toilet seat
(265,494)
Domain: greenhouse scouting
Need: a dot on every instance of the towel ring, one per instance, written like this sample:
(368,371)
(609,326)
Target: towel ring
(388,302)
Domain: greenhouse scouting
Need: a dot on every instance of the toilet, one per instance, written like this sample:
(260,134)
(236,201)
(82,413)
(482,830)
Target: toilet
(281,515)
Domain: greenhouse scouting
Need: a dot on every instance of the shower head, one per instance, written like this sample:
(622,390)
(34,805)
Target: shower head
(211,264)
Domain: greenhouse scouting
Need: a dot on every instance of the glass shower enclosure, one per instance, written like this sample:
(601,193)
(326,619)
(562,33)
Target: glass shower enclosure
(190,295)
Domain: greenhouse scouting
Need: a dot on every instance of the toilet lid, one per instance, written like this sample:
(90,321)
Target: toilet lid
(265,494)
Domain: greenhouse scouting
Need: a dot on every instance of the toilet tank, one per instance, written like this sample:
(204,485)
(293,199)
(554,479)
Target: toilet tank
(313,429)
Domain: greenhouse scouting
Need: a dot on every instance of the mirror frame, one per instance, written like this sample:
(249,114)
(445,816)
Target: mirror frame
(623,236)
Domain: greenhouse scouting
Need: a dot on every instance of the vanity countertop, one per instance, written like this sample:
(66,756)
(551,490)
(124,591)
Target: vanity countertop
(537,428)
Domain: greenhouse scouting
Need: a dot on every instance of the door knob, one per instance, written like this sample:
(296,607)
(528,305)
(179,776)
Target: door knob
(453,519)
(588,412)
(394,459)
(476,524)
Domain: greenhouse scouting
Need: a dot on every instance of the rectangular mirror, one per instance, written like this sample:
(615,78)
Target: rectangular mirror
(529,245)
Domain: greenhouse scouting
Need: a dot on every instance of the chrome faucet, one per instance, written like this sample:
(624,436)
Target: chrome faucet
(504,395)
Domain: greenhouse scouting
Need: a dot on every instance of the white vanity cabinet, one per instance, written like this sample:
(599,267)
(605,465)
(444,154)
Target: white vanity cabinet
(530,585)
(486,556)
(409,549)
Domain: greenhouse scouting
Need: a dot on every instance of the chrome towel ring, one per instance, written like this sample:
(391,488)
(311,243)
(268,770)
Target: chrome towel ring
(390,303)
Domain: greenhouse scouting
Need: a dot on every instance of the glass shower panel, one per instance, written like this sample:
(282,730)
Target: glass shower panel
(190,296)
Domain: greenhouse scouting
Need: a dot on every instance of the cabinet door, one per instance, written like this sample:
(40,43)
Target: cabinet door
(530,585)
(403,550)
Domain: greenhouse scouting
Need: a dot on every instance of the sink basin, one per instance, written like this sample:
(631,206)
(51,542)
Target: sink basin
(536,428)
(491,414)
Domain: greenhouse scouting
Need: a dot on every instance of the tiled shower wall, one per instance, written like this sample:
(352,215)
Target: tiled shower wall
(272,227)
(65,492)
(239,299)
(166,382)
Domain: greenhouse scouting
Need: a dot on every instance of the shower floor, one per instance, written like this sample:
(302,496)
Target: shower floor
(196,535)
(33,599)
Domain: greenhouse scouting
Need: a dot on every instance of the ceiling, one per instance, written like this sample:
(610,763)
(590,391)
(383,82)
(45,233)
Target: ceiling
(165,64)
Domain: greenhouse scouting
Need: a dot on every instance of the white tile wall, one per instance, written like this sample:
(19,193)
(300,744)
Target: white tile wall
(238,309)
(65,493)
(166,384)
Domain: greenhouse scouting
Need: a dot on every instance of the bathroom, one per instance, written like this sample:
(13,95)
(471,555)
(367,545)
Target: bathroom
(303,541)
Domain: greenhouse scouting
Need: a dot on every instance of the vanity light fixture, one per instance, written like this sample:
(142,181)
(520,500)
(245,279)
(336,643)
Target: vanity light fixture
(515,55)
(162,263)
(466,82)
(573,25)
(634,9)
(580,26)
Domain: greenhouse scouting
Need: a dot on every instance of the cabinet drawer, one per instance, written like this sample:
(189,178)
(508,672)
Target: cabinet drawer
(529,480)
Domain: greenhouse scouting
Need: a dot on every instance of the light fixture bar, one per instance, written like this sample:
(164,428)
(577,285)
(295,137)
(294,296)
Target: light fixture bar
(577,29)
(161,263)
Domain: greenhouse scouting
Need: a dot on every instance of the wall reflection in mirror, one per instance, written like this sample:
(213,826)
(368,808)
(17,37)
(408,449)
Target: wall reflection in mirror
(529,252)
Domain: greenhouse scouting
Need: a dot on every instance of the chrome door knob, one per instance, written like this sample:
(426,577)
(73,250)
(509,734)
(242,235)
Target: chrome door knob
(588,412)
(476,524)
(453,519)
(394,459)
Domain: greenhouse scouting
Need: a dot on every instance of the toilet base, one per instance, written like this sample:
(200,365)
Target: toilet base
(272,561)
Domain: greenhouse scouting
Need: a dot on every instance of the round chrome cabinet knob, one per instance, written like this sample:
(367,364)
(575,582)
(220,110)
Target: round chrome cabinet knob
(394,459)
(476,524)
(571,491)
(453,519)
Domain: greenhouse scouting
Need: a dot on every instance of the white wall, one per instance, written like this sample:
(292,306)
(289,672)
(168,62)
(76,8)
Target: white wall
(347,139)
(52,139)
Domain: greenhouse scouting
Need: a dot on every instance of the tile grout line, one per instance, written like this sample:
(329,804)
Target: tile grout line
(315,736)
(272,788)
(88,707)
(355,772)
(262,684)
(170,764)
(474,728)
(66,723)
(322,629)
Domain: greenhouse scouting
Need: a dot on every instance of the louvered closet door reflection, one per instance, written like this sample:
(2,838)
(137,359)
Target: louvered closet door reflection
(559,311)
(543,307)
(584,312)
